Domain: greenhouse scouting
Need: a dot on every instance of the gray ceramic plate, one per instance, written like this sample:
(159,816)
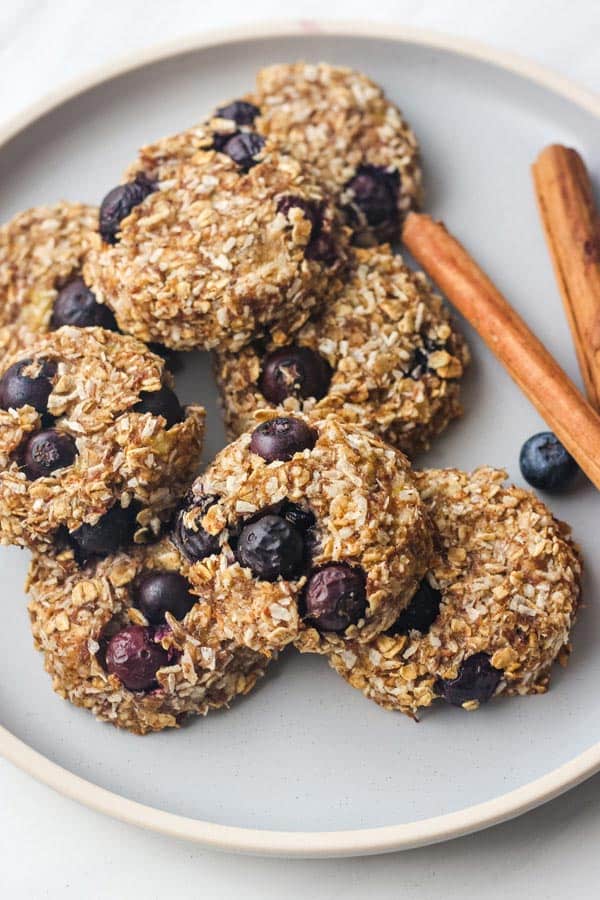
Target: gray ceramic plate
(305,765)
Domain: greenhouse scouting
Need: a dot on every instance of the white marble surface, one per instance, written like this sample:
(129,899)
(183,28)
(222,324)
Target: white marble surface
(51,847)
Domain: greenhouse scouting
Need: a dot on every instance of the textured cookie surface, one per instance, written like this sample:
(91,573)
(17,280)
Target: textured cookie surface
(41,250)
(500,600)
(89,425)
(76,611)
(340,123)
(305,531)
(217,252)
(393,359)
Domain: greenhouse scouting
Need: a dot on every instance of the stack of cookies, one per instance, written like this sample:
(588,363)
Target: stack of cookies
(264,235)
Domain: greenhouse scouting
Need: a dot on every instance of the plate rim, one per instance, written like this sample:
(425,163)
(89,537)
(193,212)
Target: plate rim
(264,842)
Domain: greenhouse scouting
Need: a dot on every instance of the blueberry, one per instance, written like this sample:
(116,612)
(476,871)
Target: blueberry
(27,383)
(477,679)
(271,548)
(113,531)
(545,463)
(243,147)
(294,371)
(119,202)
(76,305)
(311,210)
(374,199)
(280,438)
(162,402)
(239,111)
(322,248)
(157,593)
(46,451)
(335,597)
(135,658)
(195,543)
(300,518)
(173,361)
(421,612)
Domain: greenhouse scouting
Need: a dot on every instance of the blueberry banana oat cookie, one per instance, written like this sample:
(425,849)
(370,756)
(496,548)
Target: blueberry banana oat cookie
(384,353)
(342,126)
(126,638)
(94,445)
(494,611)
(42,251)
(208,249)
(306,531)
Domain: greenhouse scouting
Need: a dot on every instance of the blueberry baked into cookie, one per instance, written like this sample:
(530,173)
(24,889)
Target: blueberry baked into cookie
(126,638)
(94,445)
(305,531)
(210,250)
(384,353)
(494,611)
(42,251)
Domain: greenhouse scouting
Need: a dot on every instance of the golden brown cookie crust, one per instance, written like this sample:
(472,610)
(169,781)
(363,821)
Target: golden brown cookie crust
(208,260)
(509,575)
(123,456)
(395,355)
(74,611)
(368,514)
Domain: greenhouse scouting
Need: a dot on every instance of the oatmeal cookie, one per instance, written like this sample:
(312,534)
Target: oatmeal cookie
(305,530)
(384,353)
(342,126)
(210,250)
(94,444)
(126,638)
(494,611)
(42,251)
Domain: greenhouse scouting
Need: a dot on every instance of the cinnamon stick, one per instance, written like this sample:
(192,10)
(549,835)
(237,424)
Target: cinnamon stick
(572,228)
(526,359)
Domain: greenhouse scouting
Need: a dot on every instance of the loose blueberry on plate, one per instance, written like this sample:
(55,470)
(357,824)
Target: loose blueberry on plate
(119,202)
(271,548)
(162,402)
(294,371)
(48,450)
(545,464)
(335,597)
(477,680)
(421,612)
(281,438)
(239,111)
(157,593)
(18,388)
(135,658)
(76,305)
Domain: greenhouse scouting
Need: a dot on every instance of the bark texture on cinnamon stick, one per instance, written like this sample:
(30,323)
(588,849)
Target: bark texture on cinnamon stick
(548,387)
(572,228)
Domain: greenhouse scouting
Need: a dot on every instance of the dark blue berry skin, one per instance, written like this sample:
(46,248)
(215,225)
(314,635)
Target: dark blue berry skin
(195,544)
(157,593)
(76,305)
(111,533)
(335,597)
(271,548)
(477,680)
(19,389)
(243,148)
(311,210)
(421,612)
(239,111)
(374,201)
(134,657)
(163,403)
(46,451)
(294,371)
(545,464)
(119,202)
(281,438)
